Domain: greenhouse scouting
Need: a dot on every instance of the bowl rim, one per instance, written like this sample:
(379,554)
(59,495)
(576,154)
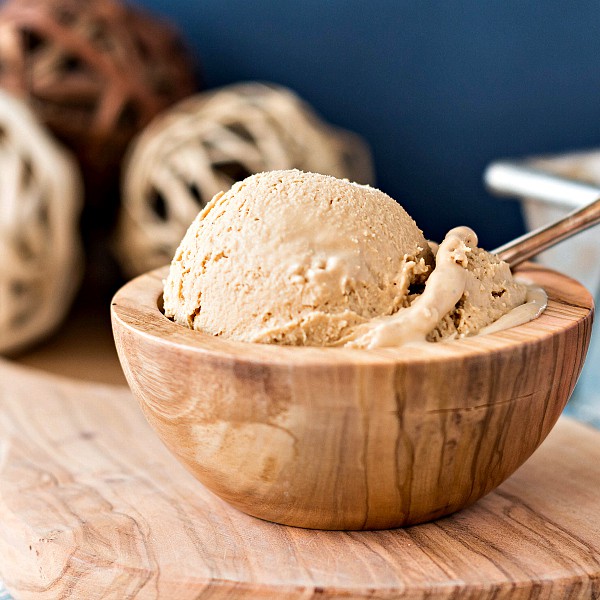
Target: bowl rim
(135,307)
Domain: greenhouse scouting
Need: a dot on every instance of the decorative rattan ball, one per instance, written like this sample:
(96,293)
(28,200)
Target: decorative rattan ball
(40,252)
(207,142)
(94,71)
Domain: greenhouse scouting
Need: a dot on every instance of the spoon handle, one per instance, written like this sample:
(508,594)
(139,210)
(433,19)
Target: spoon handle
(514,179)
(530,244)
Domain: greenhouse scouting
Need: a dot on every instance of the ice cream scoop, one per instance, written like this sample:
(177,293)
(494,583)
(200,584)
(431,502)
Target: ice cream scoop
(299,258)
(295,258)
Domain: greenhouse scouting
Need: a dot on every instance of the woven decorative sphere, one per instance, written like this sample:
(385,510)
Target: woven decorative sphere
(207,142)
(94,71)
(40,253)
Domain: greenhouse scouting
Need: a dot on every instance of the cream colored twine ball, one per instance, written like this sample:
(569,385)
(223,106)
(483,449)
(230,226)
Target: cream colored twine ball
(207,142)
(40,254)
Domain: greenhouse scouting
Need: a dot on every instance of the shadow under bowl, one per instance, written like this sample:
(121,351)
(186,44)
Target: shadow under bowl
(335,438)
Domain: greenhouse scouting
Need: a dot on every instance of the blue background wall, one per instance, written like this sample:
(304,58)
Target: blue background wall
(438,89)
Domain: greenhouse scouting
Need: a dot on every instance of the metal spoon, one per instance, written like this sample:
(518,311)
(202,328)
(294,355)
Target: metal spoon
(513,179)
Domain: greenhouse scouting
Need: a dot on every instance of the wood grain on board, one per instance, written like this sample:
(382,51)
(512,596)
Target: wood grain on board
(92,506)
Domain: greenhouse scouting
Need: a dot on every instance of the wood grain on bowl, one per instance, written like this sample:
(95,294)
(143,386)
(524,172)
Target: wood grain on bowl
(352,439)
(93,507)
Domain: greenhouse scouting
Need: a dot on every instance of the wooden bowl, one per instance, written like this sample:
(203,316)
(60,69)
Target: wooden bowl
(352,439)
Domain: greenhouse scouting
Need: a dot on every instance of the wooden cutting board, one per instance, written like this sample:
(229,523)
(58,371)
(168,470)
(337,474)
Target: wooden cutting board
(93,506)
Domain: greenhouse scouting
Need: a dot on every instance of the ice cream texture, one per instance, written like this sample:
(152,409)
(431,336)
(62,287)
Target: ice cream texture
(298,258)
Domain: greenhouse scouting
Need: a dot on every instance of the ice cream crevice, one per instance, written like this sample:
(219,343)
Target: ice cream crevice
(192,316)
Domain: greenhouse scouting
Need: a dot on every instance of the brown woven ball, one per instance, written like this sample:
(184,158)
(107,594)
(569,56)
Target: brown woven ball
(94,71)
(207,142)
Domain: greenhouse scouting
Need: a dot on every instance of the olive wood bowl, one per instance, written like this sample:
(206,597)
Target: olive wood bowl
(352,439)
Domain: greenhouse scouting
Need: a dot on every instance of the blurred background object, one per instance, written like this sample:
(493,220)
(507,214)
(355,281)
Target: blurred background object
(206,143)
(95,72)
(40,250)
(579,257)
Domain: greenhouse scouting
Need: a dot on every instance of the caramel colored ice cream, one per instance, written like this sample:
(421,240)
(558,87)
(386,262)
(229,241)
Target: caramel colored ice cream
(298,258)
(295,258)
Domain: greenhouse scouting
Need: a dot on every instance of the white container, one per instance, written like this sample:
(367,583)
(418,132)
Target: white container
(578,257)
